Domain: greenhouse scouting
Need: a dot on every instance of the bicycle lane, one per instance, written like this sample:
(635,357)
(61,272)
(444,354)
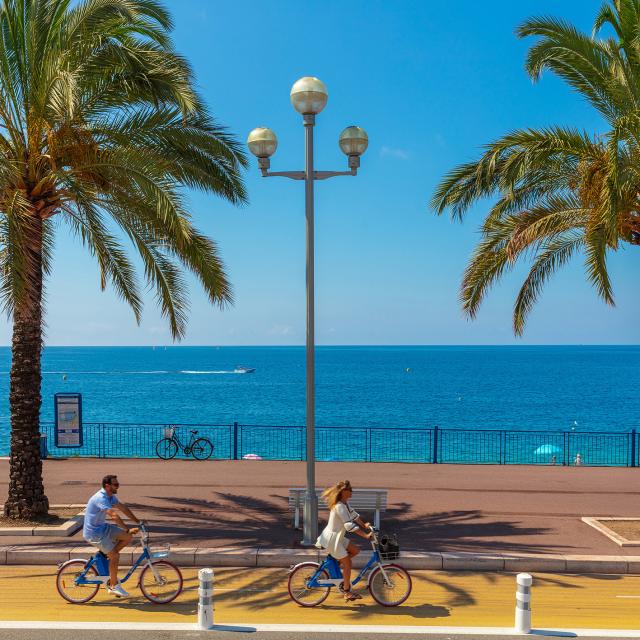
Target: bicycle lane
(259,596)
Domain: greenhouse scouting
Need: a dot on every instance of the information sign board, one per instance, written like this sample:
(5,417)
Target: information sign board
(68,419)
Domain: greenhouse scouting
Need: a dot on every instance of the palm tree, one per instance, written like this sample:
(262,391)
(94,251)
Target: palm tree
(560,191)
(100,131)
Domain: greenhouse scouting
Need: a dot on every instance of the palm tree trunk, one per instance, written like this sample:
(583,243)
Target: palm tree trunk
(26,490)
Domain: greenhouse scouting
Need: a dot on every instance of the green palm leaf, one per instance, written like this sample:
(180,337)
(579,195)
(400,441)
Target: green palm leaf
(559,190)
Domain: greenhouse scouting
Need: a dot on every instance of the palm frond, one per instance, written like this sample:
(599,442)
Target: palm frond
(584,63)
(558,190)
(102,127)
(553,255)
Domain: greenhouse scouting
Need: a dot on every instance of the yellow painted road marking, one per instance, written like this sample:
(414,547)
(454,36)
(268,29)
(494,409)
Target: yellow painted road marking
(260,596)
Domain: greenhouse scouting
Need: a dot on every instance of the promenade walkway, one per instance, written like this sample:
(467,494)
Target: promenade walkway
(444,508)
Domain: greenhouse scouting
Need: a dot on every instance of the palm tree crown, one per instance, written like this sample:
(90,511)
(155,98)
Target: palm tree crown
(100,132)
(100,124)
(560,191)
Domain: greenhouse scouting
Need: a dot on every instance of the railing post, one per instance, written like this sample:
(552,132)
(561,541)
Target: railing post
(435,444)
(565,453)
(235,440)
(102,453)
(503,447)
(369,442)
(633,447)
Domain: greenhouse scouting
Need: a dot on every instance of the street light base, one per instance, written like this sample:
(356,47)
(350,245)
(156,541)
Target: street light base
(310,520)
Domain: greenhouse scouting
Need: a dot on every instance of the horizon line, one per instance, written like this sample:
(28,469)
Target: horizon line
(281,346)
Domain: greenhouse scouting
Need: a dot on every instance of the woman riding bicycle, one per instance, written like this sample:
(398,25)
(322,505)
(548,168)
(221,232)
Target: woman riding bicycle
(342,520)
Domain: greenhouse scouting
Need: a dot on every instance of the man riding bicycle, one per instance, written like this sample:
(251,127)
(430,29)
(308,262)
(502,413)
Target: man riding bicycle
(109,538)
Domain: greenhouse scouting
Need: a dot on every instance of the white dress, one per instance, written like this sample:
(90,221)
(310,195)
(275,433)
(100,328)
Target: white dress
(333,539)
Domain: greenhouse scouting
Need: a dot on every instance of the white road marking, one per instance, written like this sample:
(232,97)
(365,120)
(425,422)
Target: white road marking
(317,628)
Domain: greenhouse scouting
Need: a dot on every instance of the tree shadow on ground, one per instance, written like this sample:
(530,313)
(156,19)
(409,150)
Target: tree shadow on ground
(269,588)
(186,608)
(232,519)
(227,519)
(465,530)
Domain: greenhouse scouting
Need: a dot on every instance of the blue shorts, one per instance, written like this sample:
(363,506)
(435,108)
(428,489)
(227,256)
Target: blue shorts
(108,540)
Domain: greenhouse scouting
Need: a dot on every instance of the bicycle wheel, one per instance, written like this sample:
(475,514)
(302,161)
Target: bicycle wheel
(202,449)
(166,448)
(298,587)
(393,590)
(166,588)
(66,578)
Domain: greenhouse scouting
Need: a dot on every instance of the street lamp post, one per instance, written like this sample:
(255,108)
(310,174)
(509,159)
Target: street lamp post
(309,97)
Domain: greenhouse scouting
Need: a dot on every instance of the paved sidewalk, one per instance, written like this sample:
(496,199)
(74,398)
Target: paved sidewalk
(439,509)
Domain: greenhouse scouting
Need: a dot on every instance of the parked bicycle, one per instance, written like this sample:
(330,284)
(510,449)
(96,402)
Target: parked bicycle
(160,581)
(167,448)
(389,584)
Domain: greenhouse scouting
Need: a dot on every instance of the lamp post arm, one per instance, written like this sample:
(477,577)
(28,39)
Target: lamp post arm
(293,175)
(323,175)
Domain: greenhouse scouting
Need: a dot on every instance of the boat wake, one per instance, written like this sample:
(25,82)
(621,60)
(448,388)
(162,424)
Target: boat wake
(204,373)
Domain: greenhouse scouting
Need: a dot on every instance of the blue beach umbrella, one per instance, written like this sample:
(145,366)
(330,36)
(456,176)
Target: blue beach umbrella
(547,450)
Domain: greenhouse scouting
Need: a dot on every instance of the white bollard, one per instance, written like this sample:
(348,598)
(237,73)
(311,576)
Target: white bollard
(523,602)
(205,598)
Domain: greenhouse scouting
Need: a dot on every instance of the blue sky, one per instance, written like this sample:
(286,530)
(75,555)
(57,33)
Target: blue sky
(431,83)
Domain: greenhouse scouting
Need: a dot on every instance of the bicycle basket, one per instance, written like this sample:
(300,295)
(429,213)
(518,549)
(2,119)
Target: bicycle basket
(388,547)
(169,432)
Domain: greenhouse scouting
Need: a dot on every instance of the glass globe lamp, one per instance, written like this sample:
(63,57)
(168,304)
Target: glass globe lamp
(309,95)
(354,141)
(262,142)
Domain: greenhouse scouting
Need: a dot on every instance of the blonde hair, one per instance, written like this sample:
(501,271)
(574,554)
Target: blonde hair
(332,495)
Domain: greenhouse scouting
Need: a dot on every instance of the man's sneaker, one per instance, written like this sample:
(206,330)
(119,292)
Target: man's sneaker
(117,591)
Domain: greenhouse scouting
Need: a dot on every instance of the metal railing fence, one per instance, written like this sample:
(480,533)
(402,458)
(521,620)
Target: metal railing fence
(363,444)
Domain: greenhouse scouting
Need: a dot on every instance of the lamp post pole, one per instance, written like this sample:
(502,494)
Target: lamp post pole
(309,97)
(310,514)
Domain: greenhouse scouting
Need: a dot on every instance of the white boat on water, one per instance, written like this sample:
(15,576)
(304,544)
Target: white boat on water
(244,370)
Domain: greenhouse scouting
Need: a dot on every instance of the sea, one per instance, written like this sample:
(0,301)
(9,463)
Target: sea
(537,388)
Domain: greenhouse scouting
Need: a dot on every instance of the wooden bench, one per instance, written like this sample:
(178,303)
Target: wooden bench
(362,500)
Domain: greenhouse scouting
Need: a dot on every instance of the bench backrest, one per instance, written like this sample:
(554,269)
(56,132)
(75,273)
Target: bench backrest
(361,498)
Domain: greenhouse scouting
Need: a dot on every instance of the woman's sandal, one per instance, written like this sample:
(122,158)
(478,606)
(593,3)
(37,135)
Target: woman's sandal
(350,596)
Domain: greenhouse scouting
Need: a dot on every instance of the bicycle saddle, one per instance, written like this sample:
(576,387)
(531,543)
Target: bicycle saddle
(194,432)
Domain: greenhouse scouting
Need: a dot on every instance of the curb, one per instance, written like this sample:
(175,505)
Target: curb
(67,529)
(258,557)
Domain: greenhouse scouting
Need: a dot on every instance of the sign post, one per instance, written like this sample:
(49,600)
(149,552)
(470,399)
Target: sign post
(68,419)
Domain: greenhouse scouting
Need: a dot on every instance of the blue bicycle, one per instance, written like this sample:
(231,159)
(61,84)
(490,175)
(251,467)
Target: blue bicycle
(160,581)
(389,584)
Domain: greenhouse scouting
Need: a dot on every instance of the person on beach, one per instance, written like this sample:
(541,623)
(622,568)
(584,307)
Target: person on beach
(109,538)
(342,520)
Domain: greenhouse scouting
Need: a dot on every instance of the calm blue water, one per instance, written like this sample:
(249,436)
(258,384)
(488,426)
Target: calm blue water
(530,388)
